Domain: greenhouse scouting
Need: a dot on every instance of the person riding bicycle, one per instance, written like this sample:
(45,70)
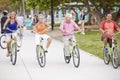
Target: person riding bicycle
(10,27)
(3,19)
(40,29)
(107,29)
(67,27)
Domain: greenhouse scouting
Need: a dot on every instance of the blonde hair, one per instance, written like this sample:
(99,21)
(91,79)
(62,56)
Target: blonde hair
(13,13)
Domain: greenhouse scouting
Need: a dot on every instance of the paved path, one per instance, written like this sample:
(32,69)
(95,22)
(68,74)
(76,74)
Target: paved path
(27,68)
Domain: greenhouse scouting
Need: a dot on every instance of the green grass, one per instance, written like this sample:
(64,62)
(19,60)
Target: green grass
(91,42)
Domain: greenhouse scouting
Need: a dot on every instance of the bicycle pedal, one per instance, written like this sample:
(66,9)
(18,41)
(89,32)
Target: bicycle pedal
(18,50)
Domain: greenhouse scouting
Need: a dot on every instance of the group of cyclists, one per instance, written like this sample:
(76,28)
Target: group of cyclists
(68,27)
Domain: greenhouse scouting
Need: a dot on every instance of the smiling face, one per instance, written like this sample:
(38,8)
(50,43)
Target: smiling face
(68,17)
(12,15)
(109,17)
(40,17)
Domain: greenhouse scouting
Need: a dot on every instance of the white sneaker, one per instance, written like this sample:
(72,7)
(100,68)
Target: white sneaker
(82,33)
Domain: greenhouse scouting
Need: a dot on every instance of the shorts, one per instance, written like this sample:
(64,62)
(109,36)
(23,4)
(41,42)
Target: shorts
(8,36)
(66,39)
(38,36)
(108,40)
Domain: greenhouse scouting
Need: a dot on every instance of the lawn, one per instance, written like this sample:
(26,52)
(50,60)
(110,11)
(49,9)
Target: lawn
(91,42)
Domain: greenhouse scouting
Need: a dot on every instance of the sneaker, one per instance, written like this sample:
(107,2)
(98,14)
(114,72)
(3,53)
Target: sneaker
(82,33)
(67,57)
(46,50)
(106,50)
(8,54)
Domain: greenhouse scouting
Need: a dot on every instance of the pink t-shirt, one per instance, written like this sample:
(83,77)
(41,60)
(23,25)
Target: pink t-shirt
(68,27)
(111,26)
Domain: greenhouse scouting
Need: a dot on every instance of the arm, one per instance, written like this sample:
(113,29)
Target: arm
(49,27)
(18,23)
(34,28)
(62,27)
(76,26)
(4,27)
(116,27)
(102,27)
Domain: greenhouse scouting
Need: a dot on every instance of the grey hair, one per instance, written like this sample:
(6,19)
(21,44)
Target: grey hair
(40,15)
(69,16)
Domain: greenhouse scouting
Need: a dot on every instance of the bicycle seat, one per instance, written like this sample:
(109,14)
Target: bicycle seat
(41,38)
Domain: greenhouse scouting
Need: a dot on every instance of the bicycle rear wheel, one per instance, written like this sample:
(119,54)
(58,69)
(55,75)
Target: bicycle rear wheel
(3,42)
(115,58)
(66,60)
(76,56)
(106,57)
(13,53)
(41,57)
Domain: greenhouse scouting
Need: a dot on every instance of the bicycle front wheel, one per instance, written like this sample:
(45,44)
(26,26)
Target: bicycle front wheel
(19,41)
(106,57)
(41,57)
(76,56)
(13,53)
(115,58)
(3,42)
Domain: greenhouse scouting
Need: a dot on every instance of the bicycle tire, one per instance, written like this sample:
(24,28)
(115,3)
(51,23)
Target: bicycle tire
(41,57)
(106,57)
(3,42)
(76,54)
(13,53)
(66,60)
(115,58)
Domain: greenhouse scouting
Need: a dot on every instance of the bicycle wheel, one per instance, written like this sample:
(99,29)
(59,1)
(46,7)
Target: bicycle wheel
(76,56)
(66,60)
(13,53)
(3,42)
(115,58)
(41,57)
(106,57)
(19,41)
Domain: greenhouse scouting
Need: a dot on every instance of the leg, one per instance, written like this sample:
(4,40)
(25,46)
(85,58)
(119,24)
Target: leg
(8,36)
(83,29)
(105,42)
(49,40)
(66,45)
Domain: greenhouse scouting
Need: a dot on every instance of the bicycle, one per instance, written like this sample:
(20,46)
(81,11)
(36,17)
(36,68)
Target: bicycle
(40,52)
(73,52)
(3,42)
(13,50)
(112,53)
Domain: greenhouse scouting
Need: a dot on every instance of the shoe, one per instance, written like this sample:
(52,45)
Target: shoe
(18,50)
(67,57)
(8,54)
(106,50)
(46,50)
(82,33)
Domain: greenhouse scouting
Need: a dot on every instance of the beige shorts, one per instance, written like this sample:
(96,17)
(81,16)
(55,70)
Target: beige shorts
(38,36)
(8,36)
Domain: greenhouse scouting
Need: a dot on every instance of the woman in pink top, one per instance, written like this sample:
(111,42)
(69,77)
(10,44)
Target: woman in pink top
(68,26)
(108,28)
